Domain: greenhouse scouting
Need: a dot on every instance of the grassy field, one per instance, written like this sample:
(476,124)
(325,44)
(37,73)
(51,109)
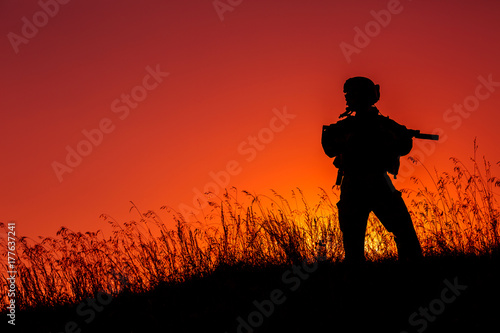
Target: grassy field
(270,261)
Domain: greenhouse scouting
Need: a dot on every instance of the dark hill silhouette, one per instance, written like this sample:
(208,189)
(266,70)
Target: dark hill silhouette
(375,297)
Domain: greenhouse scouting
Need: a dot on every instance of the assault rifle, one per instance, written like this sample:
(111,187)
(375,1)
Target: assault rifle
(414,133)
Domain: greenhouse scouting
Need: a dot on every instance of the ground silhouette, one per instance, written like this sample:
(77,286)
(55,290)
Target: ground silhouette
(331,297)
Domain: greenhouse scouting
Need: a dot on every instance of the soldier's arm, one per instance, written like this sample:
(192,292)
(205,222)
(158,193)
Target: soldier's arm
(402,136)
(333,139)
(406,141)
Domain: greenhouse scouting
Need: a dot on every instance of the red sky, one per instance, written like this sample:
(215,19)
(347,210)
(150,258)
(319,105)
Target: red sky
(227,81)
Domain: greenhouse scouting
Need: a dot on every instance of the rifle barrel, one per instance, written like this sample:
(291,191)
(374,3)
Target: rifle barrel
(416,134)
(427,136)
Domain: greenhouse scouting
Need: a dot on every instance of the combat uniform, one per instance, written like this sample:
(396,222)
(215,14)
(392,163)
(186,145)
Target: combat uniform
(366,147)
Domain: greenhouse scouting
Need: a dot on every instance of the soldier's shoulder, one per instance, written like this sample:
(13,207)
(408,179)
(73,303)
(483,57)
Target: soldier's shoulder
(387,119)
(391,123)
(347,120)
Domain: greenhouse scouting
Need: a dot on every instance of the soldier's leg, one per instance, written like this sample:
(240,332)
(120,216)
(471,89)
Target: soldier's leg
(352,221)
(393,214)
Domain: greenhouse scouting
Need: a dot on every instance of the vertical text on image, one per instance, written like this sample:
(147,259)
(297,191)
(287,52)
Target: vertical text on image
(11,272)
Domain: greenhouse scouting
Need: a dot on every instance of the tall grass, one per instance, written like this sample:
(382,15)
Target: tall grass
(457,215)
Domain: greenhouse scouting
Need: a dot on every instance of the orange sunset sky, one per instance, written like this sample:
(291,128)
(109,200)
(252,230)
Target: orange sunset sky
(155,101)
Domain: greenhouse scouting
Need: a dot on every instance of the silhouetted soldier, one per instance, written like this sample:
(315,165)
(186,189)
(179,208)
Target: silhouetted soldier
(366,146)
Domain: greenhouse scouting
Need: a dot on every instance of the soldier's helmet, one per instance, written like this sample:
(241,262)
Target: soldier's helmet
(360,90)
